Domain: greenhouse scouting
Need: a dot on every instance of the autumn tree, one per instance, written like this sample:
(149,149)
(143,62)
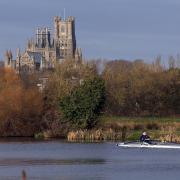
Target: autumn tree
(66,77)
(20,107)
(141,89)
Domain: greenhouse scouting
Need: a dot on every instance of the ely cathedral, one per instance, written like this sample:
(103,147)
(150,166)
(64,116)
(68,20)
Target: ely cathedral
(45,51)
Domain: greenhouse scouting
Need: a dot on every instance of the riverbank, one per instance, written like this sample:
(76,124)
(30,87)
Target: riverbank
(128,129)
(111,128)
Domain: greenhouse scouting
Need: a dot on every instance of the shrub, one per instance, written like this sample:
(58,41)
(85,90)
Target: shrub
(85,103)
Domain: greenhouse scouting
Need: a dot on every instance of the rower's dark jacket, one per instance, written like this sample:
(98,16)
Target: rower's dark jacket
(144,137)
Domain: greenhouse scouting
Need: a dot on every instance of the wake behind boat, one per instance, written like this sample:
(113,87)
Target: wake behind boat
(149,145)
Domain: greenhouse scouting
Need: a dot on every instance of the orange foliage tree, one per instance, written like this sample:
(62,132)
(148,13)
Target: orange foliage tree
(20,107)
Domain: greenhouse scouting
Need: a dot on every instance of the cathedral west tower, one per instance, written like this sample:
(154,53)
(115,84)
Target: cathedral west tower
(65,38)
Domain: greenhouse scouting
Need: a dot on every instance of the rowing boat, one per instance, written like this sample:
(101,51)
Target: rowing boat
(147,145)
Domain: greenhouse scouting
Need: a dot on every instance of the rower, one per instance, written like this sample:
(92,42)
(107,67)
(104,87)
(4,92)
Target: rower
(145,138)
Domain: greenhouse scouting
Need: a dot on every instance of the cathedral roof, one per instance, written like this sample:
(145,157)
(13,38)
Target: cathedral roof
(36,56)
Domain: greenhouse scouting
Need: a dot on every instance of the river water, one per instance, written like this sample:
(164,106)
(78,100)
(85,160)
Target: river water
(57,160)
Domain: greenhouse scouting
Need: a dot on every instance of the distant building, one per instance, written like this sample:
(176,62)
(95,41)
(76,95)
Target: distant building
(45,51)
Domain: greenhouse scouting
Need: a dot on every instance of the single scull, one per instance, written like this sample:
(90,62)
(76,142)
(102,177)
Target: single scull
(147,145)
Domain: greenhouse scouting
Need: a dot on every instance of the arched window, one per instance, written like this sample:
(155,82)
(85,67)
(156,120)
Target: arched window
(62,29)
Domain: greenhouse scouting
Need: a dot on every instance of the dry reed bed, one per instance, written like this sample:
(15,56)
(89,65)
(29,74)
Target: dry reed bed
(164,131)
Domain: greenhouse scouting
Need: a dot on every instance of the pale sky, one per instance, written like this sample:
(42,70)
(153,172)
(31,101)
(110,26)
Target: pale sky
(110,29)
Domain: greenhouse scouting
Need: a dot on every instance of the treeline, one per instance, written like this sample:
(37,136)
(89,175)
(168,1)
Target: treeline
(73,97)
(140,89)
(76,94)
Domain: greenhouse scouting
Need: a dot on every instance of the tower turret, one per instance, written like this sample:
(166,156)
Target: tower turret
(10,55)
(18,59)
(78,55)
(8,58)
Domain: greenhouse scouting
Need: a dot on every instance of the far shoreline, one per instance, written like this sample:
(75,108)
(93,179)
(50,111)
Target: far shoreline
(114,128)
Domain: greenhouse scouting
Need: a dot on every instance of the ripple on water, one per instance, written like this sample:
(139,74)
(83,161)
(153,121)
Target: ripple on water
(30,162)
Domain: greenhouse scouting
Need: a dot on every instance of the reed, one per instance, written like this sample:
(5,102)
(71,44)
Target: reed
(95,135)
(130,129)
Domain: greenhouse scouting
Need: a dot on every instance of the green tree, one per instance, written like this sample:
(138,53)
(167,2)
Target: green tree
(85,103)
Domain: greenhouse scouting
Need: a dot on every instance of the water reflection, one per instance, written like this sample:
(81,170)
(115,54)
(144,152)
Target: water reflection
(43,162)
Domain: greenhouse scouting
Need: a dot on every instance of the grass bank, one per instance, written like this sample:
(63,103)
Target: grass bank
(130,128)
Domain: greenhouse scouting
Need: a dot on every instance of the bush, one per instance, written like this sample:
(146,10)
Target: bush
(85,103)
